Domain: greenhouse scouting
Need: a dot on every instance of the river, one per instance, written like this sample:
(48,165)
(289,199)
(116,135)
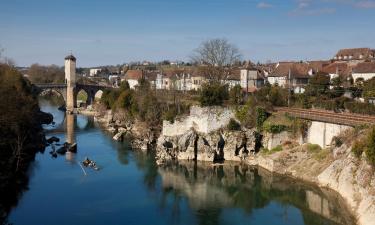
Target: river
(130,189)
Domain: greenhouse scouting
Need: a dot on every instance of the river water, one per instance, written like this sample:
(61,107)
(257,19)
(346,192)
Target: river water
(130,189)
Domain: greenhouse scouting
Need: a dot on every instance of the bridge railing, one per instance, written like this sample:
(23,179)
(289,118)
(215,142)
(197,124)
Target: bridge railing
(329,117)
(50,85)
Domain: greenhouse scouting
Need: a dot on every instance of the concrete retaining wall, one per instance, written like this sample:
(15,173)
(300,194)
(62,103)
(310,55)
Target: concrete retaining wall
(322,133)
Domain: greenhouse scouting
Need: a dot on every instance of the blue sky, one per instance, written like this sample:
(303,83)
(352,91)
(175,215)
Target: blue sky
(113,31)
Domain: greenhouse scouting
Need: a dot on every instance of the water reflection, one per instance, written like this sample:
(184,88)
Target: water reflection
(211,190)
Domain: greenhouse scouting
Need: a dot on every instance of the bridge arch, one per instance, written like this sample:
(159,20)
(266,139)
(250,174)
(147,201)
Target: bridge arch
(81,96)
(62,89)
(57,92)
(98,95)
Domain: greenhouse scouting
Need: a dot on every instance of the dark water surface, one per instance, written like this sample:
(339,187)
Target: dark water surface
(130,189)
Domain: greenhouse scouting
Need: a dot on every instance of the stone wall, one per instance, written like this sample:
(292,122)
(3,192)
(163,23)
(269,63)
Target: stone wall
(322,133)
(201,119)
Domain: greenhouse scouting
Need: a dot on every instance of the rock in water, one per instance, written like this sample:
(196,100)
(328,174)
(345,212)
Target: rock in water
(119,136)
(73,148)
(53,139)
(61,150)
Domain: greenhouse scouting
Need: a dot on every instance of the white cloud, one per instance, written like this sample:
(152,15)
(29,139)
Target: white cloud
(263,5)
(311,12)
(305,8)
(366,4)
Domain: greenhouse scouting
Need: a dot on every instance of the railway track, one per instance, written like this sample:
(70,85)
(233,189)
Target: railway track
(328,116)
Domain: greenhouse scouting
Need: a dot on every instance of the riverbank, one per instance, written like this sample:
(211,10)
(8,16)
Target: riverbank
(338,170)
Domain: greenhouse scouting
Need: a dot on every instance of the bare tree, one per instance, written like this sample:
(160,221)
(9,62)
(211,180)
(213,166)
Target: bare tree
(215,55)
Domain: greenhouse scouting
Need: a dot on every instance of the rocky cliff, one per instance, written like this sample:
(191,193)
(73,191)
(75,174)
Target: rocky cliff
(214,147)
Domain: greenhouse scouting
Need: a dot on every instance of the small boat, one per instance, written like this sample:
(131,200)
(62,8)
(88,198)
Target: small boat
(90,163)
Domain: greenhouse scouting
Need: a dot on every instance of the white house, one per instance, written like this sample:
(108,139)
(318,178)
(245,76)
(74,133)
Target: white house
(159,81)
(184,82)
(365,70)
(132,76)
(114,80)
(292,75)
(94,71)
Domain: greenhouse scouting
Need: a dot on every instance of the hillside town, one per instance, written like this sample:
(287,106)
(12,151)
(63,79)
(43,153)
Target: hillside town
(350,66)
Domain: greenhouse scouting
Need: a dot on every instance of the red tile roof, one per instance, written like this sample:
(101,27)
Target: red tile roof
(133,74)
(365,67)
(297,70)
(355,53)
(341,68)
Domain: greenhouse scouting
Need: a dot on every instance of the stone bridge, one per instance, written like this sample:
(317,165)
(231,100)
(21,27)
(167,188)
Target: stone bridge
(69,90)
(61,89)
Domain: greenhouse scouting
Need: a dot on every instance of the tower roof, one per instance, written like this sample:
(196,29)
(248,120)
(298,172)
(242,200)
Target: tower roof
(71,57)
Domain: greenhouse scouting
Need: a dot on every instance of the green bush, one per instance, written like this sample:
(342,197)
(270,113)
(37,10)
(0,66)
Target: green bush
(370,150)
(213,94)
(265,151)
(170,114)
(276,149)
(109,98)
(125,100)
(274,128)
(233,125)
(359,107)
(246,114)
(358,148)
(278,96)
(261,116)
(313,147)
(236,95)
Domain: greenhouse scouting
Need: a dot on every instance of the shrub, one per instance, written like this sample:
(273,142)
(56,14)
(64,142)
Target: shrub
(170,114)
(370,150)
(125,100)
(276,149)
(278,96)
(109,98)
(322,154)
(246,114)
(274,128)
(236,95)
(261,116)
(233,125)
(359,107)
(337,141)
(313,147)
(358,148)
(213,94)
(273,150)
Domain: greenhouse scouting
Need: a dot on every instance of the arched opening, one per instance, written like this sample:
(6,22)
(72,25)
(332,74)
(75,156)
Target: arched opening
(53,96)
(98,95)
(82,97)
(52,101)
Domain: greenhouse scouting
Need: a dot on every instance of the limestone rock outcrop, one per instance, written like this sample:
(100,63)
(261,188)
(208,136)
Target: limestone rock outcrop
(214,147)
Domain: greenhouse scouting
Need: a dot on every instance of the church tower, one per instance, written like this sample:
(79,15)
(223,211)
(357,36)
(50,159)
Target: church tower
(70,80)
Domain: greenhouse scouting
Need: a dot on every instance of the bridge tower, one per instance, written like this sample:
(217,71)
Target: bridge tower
(70,80)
